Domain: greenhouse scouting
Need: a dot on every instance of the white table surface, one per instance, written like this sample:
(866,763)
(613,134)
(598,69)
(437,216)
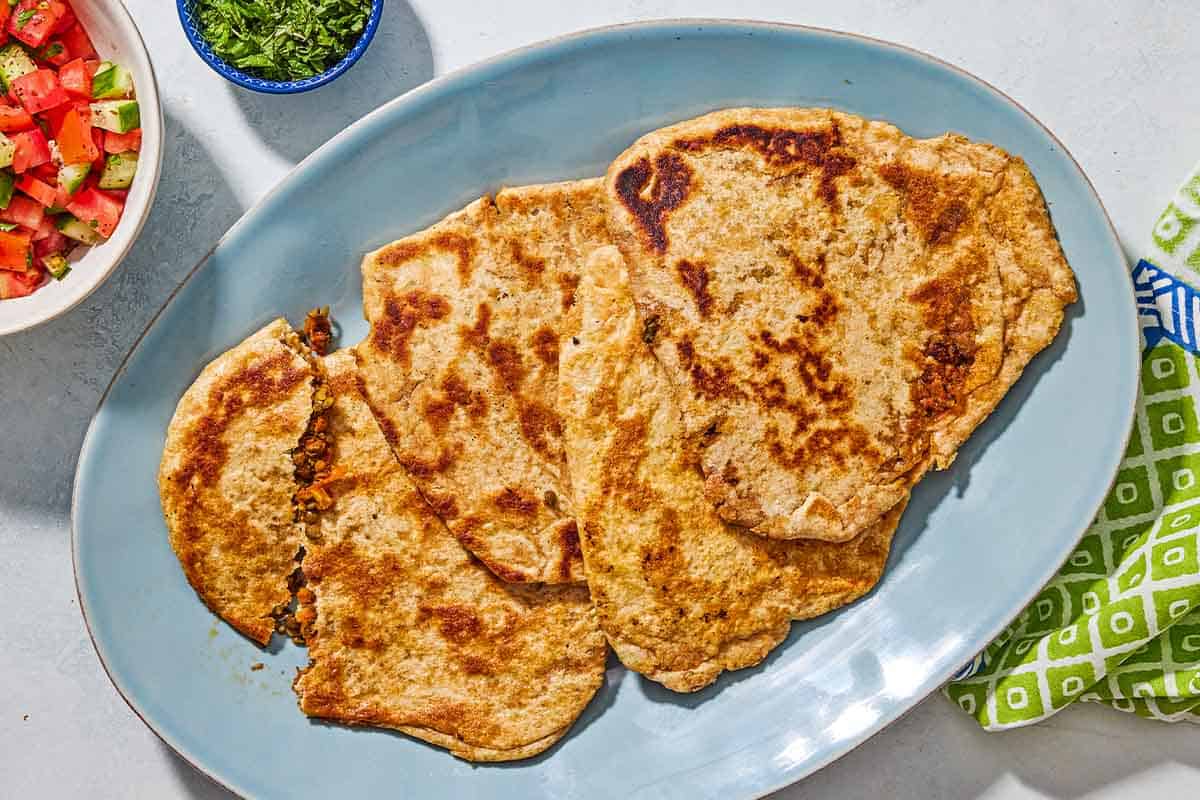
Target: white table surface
(1116,80)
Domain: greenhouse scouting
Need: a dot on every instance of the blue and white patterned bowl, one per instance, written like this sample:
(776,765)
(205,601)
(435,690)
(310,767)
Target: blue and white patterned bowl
(191,26)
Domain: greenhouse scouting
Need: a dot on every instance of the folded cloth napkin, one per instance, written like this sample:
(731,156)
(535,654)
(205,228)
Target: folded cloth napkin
(1120,623)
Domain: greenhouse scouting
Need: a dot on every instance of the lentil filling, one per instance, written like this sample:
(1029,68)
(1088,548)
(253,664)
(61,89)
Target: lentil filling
(314,471)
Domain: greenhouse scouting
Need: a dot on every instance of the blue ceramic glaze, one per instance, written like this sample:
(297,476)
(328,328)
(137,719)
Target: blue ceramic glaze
(976,543)
(191,28)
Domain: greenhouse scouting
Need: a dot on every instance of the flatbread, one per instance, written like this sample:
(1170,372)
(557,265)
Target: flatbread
(226,477)
(838,305)
(681,594)
(461,368)
(406,630)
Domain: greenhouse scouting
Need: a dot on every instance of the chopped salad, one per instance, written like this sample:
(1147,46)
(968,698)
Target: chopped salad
(70,133)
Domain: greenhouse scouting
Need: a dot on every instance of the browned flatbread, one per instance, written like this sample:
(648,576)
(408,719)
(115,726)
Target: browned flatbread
(405,630)
(226,477)
(461,368)
(837,304)
(681,594)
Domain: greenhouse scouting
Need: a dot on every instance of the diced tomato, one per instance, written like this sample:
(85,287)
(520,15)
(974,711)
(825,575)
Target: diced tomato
(24,212)
(47,172)
(39,90)
(53,117)
(98,209)
(42,192)
(123,142)
(75,142)
(44,230)
(61,198)
(76,79)
(15,252)
(18,284)
(53,242)
(65,20)
(32,149)
(5,13)
(10,269)
(77,42)
(98,140)
(43,189)
(12,118)
(32,24)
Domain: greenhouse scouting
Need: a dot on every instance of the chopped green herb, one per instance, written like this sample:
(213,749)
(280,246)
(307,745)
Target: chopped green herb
(7,226)
(24,17)
(51,50)
(282,40)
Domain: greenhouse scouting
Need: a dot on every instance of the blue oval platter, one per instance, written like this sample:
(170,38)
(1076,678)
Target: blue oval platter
(977,543)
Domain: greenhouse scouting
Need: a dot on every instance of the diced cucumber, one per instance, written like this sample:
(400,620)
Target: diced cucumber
(71,176)
(7,184)
(119,170)
(78,230)
(118,116)
(14,62)
(57,265)
(111,81)
(8,149)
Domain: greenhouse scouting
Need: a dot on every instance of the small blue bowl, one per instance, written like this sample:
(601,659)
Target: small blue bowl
(191,27)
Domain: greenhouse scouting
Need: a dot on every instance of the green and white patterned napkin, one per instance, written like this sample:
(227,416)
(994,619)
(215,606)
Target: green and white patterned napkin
(1120,623)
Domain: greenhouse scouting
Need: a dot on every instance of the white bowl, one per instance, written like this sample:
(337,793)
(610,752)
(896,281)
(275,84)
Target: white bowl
(117,39)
